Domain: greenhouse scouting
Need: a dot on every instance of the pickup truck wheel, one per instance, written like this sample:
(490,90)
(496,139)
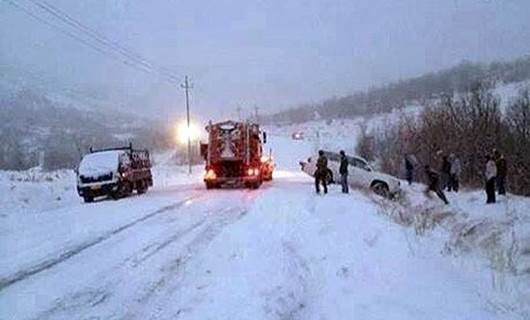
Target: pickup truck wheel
(88,199)
(123,190)
(141,187)
(380,188)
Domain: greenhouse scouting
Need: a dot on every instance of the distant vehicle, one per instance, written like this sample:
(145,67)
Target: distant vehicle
(298,135)
(234,155)
(360,174)
(114,172)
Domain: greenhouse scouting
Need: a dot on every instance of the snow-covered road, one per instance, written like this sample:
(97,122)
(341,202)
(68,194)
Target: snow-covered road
(279,252)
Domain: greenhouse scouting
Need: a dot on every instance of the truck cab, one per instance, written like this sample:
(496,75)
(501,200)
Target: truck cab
(234,155)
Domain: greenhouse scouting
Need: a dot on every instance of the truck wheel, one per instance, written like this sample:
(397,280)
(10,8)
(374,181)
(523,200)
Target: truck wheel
(255,185)
(88,199)
(123,190)
(210,185)
(128,189)
(141,188)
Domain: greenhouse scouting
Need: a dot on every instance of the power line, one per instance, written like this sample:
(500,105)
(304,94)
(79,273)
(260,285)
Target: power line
(100,38)
(104,46)
(70,34)
(63,16)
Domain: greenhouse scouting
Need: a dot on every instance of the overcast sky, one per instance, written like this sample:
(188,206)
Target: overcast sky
(273,54)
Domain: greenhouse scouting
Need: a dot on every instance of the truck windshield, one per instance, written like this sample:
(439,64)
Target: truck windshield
(99,163)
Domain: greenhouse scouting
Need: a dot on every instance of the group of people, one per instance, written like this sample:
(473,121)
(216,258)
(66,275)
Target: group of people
(449,176)
(322,172)
(447,180)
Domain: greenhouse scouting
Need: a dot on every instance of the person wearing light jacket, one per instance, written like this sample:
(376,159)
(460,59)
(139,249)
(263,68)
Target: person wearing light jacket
(502,169)
(491,175)
(456,168)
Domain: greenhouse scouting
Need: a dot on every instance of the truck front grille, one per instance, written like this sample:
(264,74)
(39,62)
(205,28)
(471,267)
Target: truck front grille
(105,177)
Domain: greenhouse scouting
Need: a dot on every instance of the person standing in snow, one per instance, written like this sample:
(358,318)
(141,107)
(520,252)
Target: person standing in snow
(491,175)
(433,179)
(456,168)
(409,168)
(446,172)
(502,169)
(321,172)
(343,170)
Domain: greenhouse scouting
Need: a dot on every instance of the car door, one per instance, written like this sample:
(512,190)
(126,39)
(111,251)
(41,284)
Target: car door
(358,172)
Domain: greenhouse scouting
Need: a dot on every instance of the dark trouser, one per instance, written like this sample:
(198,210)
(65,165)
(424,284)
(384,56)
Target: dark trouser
(444,180)
(409,176)
(320,178)
(500,185)
(453,183)
(344,183)
(436,189)
(490,190)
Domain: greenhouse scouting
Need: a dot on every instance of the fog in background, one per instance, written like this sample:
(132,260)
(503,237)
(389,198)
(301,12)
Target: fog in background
(272,54)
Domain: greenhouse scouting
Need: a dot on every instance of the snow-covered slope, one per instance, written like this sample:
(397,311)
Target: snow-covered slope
(339,134)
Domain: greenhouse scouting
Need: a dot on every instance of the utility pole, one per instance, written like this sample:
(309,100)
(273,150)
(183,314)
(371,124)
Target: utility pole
(186,86)
(239,112)
(256,113)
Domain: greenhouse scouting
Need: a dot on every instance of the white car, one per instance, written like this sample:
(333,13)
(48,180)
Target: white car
(360,174)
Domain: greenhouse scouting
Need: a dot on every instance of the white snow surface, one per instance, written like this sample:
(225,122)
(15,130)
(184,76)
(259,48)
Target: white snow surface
(99,163)
(279,252)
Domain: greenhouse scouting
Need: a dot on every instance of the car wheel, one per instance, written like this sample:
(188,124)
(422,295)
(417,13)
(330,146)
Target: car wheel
(380,188)
(88,199)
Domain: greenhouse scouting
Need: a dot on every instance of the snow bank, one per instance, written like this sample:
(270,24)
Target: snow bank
(34,191)
(491,240)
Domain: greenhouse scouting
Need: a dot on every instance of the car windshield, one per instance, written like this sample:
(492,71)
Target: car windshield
(359,163)
(353,161)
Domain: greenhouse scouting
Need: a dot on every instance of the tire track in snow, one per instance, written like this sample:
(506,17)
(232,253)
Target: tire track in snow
(61,257)
(202,232)
(155,248)
(174,273)
(291,301)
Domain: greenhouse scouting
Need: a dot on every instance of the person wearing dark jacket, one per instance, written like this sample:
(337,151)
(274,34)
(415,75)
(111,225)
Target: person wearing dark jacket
(491,174)
(409,168)
(343,170)
(433,179)
(446,172)
(321,172)
(502,169)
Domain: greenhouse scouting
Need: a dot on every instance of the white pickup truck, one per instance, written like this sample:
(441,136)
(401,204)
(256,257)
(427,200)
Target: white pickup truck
(360,174)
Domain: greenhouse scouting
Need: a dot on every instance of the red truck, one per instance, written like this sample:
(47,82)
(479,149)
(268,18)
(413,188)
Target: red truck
(234,155)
